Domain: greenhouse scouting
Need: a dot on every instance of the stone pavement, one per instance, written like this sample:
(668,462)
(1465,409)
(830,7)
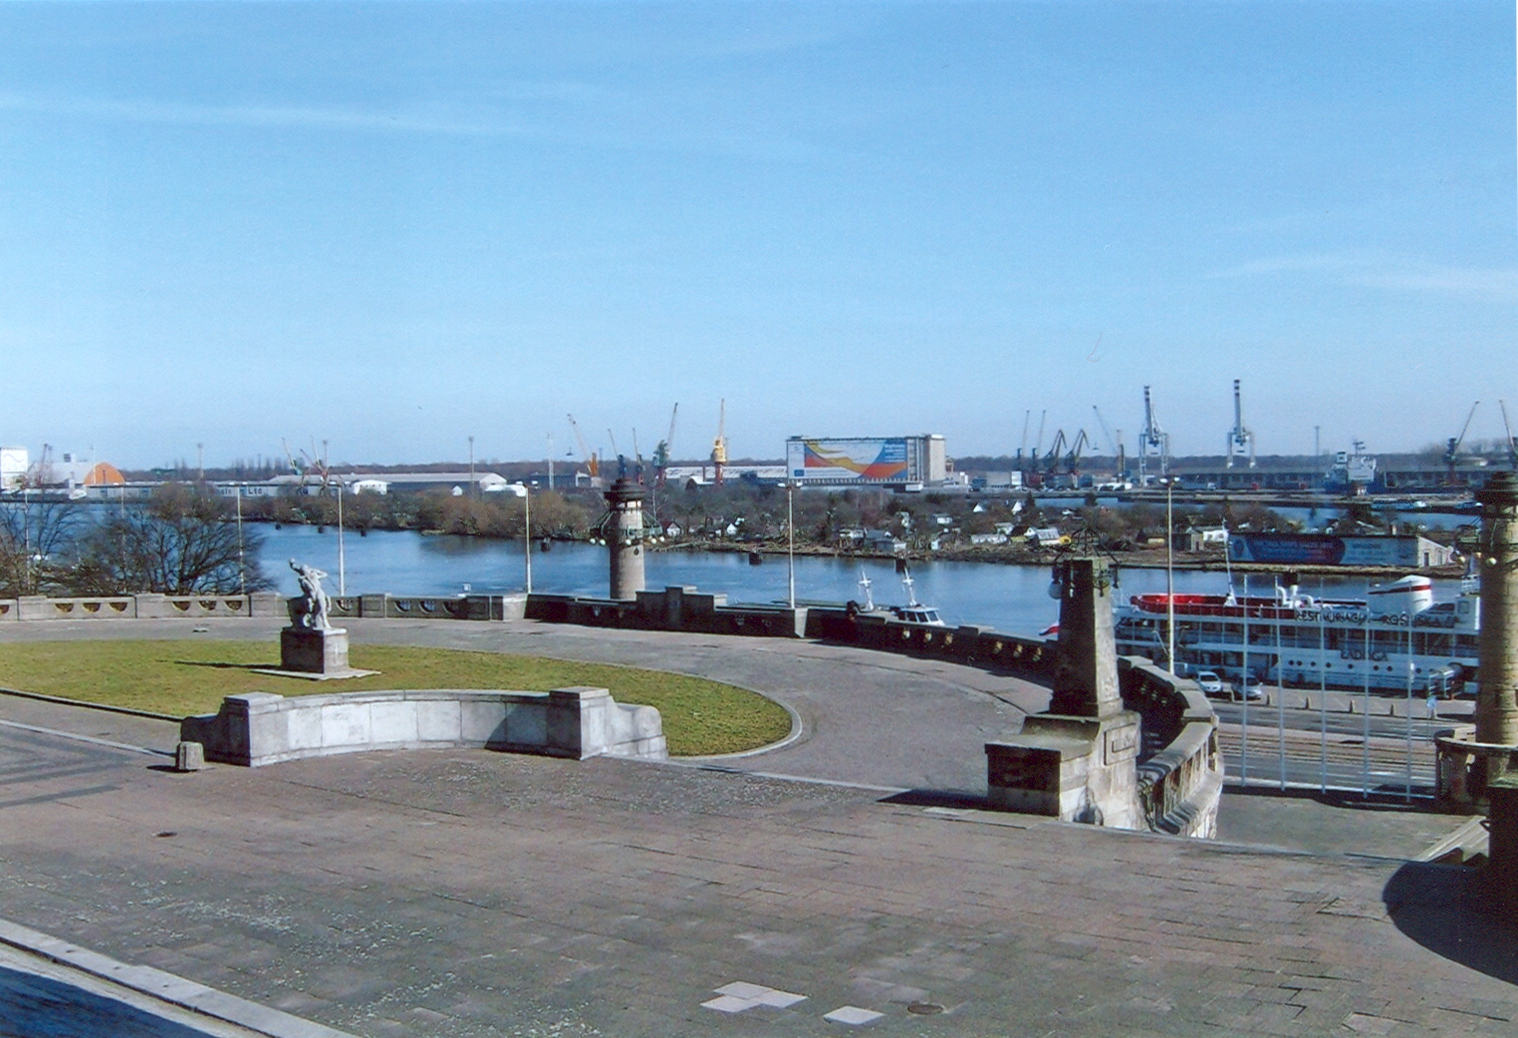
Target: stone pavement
(470,893)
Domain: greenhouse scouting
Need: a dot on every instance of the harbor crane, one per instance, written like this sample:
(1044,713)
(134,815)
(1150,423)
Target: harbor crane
(1116,443)
(1510,444)
(663,447)
(1452,447)
(1154,442)
(719,445)
(1240,439)
(621,458)
(592,463)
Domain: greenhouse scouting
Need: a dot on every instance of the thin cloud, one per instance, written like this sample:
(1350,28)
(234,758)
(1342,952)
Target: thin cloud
(1389,273)
(273,117)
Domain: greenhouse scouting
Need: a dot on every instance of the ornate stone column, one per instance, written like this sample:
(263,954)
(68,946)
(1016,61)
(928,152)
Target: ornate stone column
(624,537)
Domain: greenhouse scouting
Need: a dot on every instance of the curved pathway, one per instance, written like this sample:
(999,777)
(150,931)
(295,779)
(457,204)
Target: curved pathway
(868,718)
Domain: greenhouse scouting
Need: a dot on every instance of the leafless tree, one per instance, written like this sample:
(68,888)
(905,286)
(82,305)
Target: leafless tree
(182,542)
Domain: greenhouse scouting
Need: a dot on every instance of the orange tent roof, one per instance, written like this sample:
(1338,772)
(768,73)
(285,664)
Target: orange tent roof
(102,474)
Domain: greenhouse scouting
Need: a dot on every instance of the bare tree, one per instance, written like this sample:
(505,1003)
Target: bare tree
(36,539)
(183,542)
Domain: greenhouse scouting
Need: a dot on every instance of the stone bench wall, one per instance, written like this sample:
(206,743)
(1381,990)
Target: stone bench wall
(260,728)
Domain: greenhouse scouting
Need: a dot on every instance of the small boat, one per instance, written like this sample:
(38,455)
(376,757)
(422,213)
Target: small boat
(914,612)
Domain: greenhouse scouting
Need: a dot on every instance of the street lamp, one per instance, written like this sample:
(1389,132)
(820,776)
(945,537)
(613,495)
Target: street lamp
(527,530)
(790,526)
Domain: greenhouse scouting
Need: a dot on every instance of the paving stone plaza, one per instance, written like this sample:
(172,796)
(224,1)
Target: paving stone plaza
(843,883)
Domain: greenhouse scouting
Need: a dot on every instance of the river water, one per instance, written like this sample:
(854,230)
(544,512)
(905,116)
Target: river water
(1012,599)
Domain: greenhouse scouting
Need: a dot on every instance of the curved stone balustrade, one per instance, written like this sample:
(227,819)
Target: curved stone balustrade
(260,728)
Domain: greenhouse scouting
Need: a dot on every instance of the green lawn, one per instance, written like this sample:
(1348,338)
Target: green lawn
(191,677)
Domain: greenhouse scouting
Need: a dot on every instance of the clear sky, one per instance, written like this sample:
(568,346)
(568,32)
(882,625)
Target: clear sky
(394,226)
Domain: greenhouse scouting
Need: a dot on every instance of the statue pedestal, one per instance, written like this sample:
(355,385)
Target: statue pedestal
(316,650)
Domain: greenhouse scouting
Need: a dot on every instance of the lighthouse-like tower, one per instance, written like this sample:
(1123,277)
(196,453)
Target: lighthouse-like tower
(624,537)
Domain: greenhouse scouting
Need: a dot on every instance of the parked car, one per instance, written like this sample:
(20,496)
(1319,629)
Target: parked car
(1209,682)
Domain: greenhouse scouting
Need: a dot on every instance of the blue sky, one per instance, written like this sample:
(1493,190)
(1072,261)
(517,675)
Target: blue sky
(394,226)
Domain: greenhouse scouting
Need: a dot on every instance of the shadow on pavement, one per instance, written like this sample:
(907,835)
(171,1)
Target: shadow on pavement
(935,798)
(1449,910)
(41,1007)
(1376,801)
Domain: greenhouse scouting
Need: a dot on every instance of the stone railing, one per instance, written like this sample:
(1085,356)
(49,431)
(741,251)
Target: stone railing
(1031,658)
(429,607)
(673,609)
(1180,772)
(141,607)
(259,728)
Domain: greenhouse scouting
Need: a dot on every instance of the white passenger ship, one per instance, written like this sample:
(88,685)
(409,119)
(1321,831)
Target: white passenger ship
(1397,640)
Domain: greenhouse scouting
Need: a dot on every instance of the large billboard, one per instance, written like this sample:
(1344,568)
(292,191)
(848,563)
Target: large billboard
(1299,549)
(854,460)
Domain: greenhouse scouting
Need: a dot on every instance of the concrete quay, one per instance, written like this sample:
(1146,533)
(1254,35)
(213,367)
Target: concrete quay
(462,892)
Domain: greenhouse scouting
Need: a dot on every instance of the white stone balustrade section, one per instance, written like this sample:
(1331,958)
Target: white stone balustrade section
(141,607)
(259,728)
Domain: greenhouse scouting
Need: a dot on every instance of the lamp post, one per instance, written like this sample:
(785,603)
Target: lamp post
(790,526)
(342,558)
(242,582)
(1170,579)
(527,531)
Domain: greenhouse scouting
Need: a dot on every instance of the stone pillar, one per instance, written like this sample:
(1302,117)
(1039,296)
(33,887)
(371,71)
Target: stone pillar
(1497,701)
(624,537)
(1085,680)
(1077,761)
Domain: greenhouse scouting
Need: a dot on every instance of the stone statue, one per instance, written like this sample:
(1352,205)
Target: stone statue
(309,610)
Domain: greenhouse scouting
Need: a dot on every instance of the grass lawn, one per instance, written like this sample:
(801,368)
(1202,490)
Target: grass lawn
(191,677)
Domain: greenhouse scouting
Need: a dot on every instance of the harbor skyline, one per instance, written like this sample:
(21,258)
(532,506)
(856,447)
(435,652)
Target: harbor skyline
(394,226)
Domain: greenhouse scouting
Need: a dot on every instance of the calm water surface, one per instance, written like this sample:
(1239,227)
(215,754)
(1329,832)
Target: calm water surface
(1013,599)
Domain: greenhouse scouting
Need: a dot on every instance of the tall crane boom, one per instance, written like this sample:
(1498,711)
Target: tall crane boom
(664,447)
(591,462)
(1510,444)
(1452,448)
(1240,439)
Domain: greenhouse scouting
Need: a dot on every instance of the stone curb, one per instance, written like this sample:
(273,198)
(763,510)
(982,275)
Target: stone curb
(166,987)
(90,706)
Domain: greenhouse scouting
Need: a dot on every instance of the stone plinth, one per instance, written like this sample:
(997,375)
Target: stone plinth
(1076,769)
(314,650)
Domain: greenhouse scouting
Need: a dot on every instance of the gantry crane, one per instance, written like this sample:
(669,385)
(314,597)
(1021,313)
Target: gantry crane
(1240,439)
(1154,442)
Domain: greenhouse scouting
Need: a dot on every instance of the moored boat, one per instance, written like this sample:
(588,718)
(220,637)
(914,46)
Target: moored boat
(1397,639)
